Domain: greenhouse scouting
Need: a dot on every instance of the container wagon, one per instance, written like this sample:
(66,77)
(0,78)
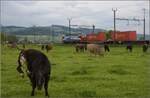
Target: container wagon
(124,36)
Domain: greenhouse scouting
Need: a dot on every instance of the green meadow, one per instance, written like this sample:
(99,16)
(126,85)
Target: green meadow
(118,74)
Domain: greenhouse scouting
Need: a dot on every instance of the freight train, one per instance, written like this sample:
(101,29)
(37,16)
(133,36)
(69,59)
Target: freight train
(118,36)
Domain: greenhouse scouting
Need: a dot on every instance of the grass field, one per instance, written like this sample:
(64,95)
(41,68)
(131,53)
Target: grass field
(117,74)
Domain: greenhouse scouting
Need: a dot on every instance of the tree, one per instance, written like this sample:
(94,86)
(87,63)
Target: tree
(12,38)
(141,38)
(3,36)
(108,34)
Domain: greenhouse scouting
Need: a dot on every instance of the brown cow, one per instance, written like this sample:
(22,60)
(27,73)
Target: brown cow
(80,47)
(12,45)
(95,49)
(48,47)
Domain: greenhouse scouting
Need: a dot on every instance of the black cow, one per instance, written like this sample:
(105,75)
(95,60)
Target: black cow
(106,47)
(129,47)
(38,68)
(42,47)
(145,47)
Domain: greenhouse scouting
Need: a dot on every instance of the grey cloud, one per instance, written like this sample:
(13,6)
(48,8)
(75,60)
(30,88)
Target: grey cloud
(56,12)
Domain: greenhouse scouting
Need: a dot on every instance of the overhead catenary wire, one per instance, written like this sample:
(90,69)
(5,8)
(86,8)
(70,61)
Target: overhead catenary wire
(134,20)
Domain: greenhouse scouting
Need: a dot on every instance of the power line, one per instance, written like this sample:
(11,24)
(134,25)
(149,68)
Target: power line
(144,22)
(34,32)
(52,30)
(135,20)
(93,28)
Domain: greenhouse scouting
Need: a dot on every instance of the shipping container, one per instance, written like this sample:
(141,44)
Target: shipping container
(124,36)
(92,37)
(101,36)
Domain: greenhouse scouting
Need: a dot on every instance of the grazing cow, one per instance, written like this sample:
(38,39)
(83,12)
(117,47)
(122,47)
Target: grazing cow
(129,47)
(38,68)
(48,47)
(80,47)
(95,49)
(12,45)
(42,47)
(145,47)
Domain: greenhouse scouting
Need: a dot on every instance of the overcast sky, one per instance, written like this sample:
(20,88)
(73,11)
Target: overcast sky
(46,13)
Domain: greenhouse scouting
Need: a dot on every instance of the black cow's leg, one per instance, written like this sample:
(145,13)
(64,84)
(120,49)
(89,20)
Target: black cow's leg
(76,49)
(82,49)
(30,77)
(19,69)
(46,85)
(47,50)
(33,88)
(108,49)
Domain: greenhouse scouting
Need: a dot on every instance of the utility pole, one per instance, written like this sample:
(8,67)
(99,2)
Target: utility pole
(93,28)
(144,23)
(114,11)
(49,34)
(69,19)
(5,37)
(34,32)
(52,34)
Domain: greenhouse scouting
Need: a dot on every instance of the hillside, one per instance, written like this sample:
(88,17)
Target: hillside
(45,30)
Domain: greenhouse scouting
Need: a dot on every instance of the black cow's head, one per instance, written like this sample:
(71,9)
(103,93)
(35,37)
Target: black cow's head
(22,63)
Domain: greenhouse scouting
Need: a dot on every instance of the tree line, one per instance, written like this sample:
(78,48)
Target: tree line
(8,38)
